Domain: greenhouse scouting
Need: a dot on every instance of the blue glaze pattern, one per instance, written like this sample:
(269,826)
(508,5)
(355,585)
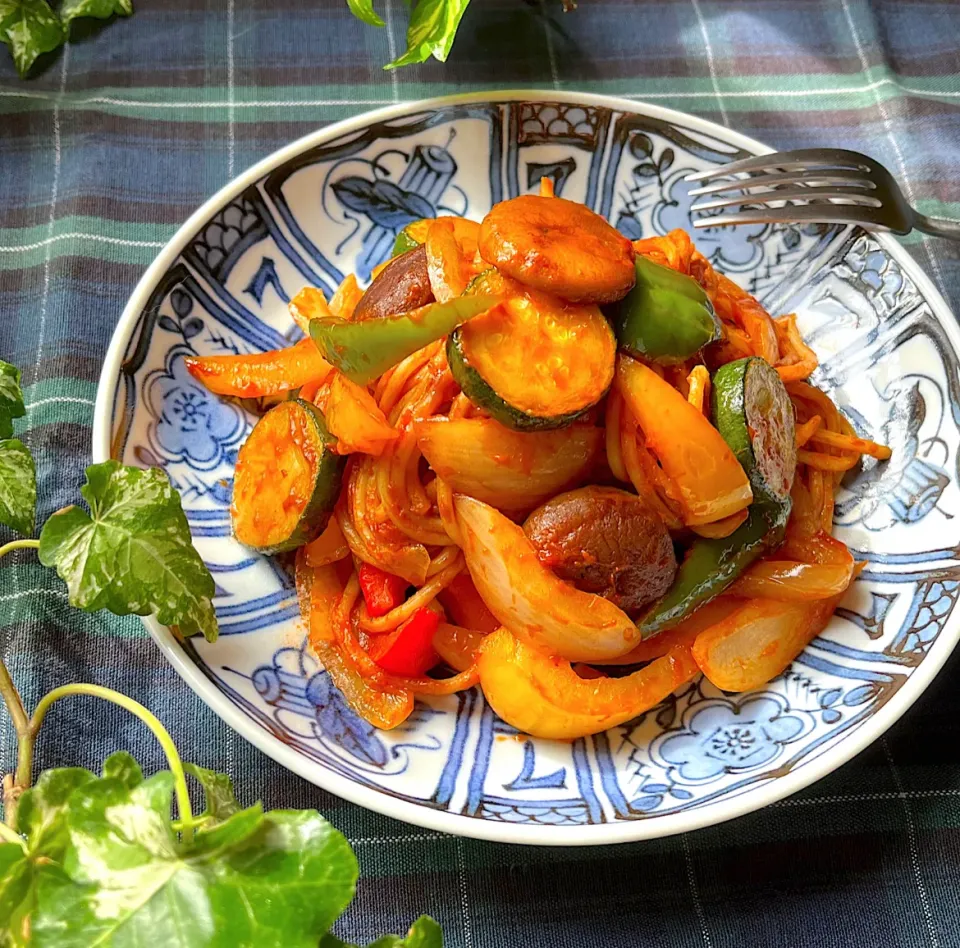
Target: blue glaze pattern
(336,208)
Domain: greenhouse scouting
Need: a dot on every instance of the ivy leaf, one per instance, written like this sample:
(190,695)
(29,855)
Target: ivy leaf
(101,9)
(11,395)
(16,890)
(18,486)
(218,790)
(123,767)
(41,812)
(133,552)
(279,878)
(424,933)
(30,28)
(433,26)
(363,10)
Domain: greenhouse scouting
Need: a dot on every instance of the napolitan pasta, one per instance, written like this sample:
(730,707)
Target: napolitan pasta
(531,452)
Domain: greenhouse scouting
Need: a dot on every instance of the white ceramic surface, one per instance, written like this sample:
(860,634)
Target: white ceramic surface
(331,203)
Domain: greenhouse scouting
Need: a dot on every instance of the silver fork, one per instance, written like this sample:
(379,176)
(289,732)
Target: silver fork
(836,186)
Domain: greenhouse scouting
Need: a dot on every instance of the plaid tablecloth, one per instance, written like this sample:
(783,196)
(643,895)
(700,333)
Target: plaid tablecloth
(109,149)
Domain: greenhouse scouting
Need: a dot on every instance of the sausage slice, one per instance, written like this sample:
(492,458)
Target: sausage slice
(605,541)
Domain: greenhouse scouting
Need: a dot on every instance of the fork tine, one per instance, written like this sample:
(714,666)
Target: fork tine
(834,176)
(821,213)
(801,158)
(860,197)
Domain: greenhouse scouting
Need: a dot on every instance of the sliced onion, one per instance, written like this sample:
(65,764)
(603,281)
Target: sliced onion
(507,469)
(757,642)
(529,599)
(545,697)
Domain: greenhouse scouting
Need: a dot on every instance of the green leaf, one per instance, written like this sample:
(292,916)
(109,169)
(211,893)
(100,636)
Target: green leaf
(433,25)
(29,28)
(279,878)
(41,812)
(16,891)
(11,395)
(133,552)
(101,9)
(123,767)
(218,790)
(363,10)
(424,933)
(18,486)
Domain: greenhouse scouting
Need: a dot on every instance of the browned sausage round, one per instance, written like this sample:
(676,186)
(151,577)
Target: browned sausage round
(402,285)
(605,541)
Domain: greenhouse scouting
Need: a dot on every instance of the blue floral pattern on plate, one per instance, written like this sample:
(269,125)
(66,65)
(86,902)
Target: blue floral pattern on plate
(888,357)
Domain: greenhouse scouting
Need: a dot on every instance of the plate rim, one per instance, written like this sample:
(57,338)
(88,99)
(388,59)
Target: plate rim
(420,814)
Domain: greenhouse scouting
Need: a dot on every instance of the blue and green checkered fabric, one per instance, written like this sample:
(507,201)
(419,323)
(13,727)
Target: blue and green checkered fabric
(127,130)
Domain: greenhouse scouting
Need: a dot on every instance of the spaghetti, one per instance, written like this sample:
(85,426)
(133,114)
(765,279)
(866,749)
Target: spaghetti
(394,513)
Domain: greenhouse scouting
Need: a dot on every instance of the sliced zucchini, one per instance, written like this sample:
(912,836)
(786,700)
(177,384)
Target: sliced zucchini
(753,412)
(287,479)
(414,234)
(535,362)
(666,317)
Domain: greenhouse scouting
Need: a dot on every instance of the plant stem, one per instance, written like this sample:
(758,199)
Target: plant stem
(25,762)
(11,698)
(7,835)
(19,545)
(25,737)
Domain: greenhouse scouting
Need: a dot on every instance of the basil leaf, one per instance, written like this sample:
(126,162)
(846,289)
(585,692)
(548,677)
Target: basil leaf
(218,790)
(29,28)
(101,9)
(133,552)
(18,486)
(433,26)
(363,10)
(279,878)
(123,767)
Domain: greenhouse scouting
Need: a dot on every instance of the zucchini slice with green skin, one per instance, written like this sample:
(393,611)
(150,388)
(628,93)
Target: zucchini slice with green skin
(534,362)
(667,317)
(414,234)
(754,414)
(287,479)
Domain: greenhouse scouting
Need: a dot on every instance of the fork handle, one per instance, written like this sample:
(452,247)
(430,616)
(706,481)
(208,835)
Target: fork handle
(937,226)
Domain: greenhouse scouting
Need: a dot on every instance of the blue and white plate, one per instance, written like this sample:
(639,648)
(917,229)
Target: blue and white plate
(330,204)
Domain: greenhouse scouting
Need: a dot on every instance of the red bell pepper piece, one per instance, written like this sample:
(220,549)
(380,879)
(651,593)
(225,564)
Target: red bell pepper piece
(408,650)
(382,591)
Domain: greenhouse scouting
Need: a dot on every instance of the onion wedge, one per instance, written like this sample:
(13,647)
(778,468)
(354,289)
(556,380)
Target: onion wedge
(545,697)
(529,599)
(510,470)
(757,642)
(319,591)
(711,482)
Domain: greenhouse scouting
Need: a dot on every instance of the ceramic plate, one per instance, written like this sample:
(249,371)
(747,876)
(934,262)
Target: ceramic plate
(330,204)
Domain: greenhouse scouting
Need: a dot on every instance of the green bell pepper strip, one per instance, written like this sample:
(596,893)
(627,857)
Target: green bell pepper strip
(365,350)
(711,565)
(666,317)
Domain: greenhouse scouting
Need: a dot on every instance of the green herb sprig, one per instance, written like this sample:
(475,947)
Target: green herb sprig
(88,859)
(31,27)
